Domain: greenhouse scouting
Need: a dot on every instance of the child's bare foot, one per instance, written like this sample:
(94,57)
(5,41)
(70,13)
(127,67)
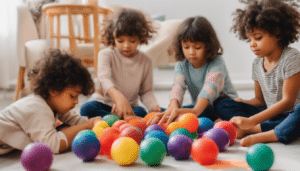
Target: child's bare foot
(248,141)
(240,133)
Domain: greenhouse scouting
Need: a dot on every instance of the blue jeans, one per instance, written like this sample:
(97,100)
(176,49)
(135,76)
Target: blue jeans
(285,125)
(95,108)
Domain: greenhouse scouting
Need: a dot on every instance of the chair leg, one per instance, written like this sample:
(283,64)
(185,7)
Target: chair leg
(20,83)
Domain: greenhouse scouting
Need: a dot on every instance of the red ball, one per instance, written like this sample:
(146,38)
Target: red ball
(118,123)
(140,123)
(133,133)
(229,128)
(122,127)
(108,136)
(204,151)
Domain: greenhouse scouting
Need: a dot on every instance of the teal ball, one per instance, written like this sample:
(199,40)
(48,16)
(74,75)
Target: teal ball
(260,157)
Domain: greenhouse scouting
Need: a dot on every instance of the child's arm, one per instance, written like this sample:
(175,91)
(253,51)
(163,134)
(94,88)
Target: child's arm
(122,107)
(72,131)
(258,100)
(290,91)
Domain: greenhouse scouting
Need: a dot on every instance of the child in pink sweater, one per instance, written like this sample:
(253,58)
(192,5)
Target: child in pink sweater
(124,72)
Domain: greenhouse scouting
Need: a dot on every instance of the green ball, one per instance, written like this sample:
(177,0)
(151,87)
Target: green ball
(110,119)
(194,135)
(152,151)
(260,157)
(182,131)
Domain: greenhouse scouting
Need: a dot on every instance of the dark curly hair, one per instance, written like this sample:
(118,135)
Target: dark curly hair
(196,29)
(58,70)
(127,22)
(278,18)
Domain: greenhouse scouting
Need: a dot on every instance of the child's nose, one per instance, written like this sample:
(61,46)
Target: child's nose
(192,51)
(252,43)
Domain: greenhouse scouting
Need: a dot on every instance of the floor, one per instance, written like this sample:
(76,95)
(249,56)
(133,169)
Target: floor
(286,156)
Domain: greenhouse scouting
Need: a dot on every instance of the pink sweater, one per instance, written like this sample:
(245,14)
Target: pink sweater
(133,77)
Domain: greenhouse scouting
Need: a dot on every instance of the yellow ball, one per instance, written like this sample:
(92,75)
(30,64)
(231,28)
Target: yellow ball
(102,124)
(98,130)
(125,150)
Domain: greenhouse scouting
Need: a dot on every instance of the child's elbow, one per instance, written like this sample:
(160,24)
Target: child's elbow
(63,146)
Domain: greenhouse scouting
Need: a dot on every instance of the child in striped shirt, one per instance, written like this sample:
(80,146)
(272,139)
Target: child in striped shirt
(274,113)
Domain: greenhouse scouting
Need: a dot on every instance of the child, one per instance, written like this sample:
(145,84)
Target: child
(58,79)
(200,69)
(269,26)
(125,73)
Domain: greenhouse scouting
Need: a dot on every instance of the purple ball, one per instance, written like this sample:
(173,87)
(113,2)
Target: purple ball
(219,136)
(37,156)
(154,127)
(179,146)
(86,146)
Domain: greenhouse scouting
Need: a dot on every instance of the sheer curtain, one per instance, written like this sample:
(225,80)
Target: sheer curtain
(8,51)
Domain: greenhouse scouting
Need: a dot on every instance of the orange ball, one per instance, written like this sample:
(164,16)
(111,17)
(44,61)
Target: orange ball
(149,115)
(189,121)
(172,127)
(138,123)
(118,123)
(204,151)
(106,138)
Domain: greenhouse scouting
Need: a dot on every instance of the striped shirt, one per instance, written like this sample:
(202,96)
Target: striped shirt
(271,82)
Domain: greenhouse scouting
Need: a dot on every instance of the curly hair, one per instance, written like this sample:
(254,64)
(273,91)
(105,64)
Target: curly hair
(278,18)
(58,70)
(196,29)
(127,22)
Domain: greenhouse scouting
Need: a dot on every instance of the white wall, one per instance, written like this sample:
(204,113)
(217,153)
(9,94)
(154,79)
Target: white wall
(237,54)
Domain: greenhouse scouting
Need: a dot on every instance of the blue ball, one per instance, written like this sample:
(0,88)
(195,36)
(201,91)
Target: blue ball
(86,146)
(154,127)
(158,134)
(204,124)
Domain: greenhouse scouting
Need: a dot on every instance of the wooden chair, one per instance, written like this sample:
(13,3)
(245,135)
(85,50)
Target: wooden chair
(79,43)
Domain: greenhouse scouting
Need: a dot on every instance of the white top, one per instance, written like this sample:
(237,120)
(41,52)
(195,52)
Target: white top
(133,77)
(31,120)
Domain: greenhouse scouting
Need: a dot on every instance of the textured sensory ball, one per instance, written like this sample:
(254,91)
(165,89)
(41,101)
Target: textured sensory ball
(123,126)
(98,130)
(37,156)
(204,151)
(102,124)
(154,127)
(158,134)
(260,157)
(152,151)
(194,135)
(149,115)
(181,131)
(133,133)
(110,119)
(179,146)
(86,131)
(108,136)
(219,136)
(118,123)
(138,123)
(204,124)
(172,127)
(124,150)
(86,146)
(189,121)
(229,128)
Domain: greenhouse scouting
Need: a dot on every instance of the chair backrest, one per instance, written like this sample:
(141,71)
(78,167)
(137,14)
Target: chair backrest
(54,12)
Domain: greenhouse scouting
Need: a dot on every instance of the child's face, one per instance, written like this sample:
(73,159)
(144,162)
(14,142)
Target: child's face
(64,101)
(262,43)
(127,45)
(194,52)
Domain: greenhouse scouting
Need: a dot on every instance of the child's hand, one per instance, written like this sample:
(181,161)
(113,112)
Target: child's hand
(242,122)
(122,108)
(92,121)
(156,108)
(238,99)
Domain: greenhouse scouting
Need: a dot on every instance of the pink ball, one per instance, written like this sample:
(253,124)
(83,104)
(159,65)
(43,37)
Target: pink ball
(133,133)
(37,156)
